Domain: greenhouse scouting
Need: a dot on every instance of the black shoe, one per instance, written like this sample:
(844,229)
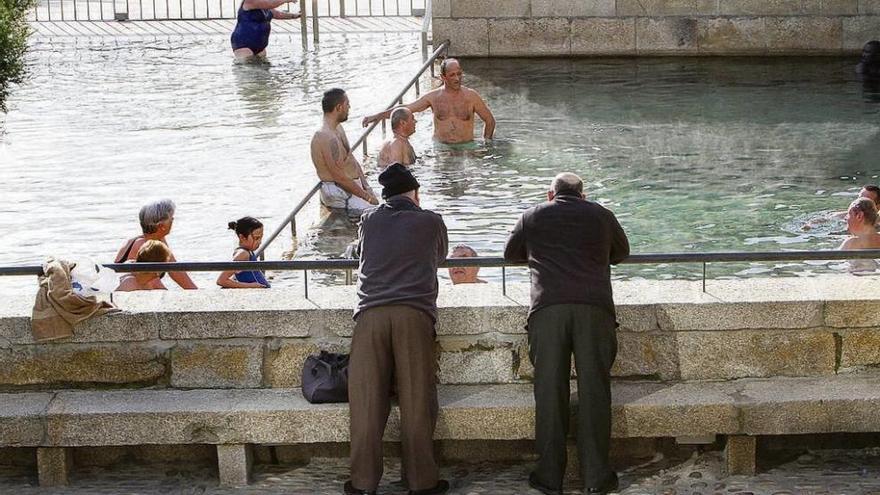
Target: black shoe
(610,485)
(546,490)
(442,486)
(349,489)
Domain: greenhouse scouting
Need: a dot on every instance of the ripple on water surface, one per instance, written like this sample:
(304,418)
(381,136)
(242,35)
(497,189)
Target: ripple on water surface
(692,154)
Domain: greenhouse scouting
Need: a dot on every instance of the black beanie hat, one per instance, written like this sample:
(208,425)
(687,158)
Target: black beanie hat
(397,179)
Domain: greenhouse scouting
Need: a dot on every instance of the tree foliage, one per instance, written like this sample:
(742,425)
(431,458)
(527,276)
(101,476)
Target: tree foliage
(14,31)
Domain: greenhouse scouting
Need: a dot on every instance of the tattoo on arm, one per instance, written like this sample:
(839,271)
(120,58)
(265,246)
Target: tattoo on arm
(334,150)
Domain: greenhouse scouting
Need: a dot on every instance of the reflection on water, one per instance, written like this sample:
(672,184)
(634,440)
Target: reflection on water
(692,154)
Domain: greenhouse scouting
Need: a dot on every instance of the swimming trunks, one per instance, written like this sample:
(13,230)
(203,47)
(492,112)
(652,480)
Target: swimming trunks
(252,29)
(253,275)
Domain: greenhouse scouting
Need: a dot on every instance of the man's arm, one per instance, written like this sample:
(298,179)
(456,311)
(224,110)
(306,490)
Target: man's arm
(419,105)
(328,150)
(360,170)
(443,245)
(515,249)
(619,241)
(488,119)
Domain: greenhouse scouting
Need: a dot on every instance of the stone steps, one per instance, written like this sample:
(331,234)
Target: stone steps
(235,419)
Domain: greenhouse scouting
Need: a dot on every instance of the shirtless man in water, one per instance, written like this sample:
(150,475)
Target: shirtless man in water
(454,107)
(398,149)
(343,185)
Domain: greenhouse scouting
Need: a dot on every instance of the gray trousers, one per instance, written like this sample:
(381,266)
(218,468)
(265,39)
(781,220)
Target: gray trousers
(555,332)
(393,343)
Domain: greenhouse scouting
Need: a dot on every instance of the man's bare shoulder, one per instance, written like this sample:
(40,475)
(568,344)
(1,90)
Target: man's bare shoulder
(471,94)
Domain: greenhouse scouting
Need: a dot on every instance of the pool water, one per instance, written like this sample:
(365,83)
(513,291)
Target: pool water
(691,154)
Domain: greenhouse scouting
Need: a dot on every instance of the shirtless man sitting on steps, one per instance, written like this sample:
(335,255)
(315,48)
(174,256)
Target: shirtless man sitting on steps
(343,185)
(454,107)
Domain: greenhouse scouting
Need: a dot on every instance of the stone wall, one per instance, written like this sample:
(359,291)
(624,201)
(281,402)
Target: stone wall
(537,28)
(670,331)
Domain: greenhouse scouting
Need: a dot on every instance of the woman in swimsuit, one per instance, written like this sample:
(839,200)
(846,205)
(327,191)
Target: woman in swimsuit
(156,221)
(251,35)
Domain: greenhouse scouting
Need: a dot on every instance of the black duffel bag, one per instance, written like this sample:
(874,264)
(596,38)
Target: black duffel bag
(325,378)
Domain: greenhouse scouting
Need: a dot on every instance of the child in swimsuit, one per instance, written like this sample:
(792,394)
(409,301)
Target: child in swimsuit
(250,234)
(149,252)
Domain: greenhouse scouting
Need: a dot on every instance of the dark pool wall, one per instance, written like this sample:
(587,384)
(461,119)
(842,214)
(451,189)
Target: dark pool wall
(533,28)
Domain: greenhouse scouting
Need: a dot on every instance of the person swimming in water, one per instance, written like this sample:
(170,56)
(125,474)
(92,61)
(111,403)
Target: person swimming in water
(454,107)
(869,65)
(251,35)
(860,220)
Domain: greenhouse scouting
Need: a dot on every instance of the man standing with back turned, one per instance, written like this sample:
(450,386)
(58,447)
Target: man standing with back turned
(569,244)
(400,247)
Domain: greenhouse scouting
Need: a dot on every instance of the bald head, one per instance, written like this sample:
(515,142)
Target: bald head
(567,182)
(399,116)
(448,64)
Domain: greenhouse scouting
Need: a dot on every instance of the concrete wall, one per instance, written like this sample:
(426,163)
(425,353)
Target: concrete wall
(669,331)
(536,28)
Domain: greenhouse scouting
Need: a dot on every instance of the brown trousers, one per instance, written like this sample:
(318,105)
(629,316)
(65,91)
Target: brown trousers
(393,343)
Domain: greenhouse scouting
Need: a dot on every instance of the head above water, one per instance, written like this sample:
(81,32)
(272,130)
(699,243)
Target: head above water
(871,192)
(566,183)
(335,101)
(463,274)
(156,215)
(403,121)
(861,212)
(451,73)
(869,64)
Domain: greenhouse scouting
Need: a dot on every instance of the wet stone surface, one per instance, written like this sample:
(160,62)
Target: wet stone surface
(831,472)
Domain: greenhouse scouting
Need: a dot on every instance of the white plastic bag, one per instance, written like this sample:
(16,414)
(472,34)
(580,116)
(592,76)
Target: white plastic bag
(88,278)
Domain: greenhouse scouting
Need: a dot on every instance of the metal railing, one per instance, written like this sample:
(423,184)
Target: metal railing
(155,10)
(362,141)
(483,262)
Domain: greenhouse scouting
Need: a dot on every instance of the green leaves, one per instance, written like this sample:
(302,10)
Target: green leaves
(14,31)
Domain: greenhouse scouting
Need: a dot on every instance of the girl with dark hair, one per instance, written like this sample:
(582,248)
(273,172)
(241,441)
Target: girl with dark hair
(869,65)
(250,233)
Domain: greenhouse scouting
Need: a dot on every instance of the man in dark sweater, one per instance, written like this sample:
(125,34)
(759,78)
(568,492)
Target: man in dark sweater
(569,244)
(400,247)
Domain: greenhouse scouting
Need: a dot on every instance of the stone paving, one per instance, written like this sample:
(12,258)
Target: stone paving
(826,472)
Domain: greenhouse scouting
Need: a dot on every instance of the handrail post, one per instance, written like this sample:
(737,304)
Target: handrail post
(315,21)
(704,276)
(306,282)
(341,8)
(503,281)
(304,25)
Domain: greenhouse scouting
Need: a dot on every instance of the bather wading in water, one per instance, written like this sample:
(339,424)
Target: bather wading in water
(860,220)
(454,107)
(869,65)
(251,35)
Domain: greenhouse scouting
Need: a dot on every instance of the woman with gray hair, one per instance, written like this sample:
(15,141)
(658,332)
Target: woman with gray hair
(156,219)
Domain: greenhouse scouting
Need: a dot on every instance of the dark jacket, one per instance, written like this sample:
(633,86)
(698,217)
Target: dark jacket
(569,244)
(400,247)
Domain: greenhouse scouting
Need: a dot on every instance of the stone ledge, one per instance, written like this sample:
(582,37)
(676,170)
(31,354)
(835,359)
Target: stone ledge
(497,412)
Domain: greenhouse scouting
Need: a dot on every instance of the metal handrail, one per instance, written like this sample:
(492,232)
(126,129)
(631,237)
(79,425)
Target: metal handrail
(488,262)
(483,262)
(291,218)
